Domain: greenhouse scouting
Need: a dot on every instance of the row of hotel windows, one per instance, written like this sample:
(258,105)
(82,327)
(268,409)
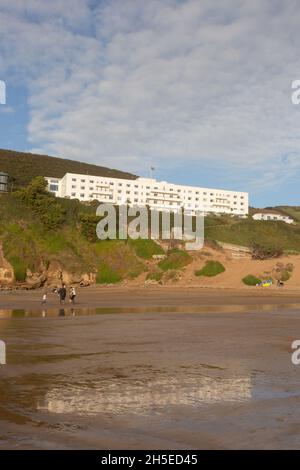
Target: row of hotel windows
(135,200)
(136,186)
(136,193)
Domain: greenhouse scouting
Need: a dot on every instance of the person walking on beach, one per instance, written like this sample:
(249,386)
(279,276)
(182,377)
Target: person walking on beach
(44,300)
(72,295)
(62,294)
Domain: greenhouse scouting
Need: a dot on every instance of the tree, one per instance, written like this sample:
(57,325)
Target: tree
(42,202)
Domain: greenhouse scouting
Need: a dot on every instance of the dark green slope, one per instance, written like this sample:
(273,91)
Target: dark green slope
(25,166)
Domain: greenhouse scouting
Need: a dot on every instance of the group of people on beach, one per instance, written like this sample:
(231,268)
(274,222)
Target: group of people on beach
(62,294)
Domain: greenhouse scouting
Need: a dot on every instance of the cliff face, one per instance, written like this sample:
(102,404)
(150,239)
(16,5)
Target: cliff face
(6,270)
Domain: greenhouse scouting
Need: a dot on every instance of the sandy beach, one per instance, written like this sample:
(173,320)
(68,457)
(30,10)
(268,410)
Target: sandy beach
(216,379)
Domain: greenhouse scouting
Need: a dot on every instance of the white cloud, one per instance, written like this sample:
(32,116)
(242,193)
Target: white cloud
(177,83)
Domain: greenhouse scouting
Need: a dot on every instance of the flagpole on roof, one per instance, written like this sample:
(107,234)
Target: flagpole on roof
(152,169)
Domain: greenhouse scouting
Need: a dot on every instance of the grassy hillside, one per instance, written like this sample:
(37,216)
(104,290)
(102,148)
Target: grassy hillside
(292,211)
(245,232)
(25,166)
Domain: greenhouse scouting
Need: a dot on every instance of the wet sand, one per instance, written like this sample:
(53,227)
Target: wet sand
(153,296)
(151,380)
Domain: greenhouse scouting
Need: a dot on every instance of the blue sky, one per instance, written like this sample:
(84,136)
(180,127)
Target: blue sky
(199,90)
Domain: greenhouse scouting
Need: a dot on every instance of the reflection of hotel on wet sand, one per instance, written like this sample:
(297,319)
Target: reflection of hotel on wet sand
(120,396)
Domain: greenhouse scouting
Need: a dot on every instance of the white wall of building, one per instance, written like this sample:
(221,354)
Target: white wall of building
(158,195)
(270,216)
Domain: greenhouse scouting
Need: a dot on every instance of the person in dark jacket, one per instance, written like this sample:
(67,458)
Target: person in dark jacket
(62,294)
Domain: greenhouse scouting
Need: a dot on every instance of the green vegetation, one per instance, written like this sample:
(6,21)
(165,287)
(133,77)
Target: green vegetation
(19,268)
(285,276)
(155,276)
(107,276)
(28,243)
(23,167)
(251,280)
(291,211)
(44,204)
(172,275)
(211,268)
(145,248)
(88,225)
(265,252)
(119,257)
(246,232)
(176,259)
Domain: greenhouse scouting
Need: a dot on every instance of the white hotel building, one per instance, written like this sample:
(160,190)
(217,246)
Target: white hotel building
(158,195)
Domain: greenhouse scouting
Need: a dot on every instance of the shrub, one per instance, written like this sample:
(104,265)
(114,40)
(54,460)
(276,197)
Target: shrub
(211,268)
(265,252)
(19,268)
(251,280)
(88,226)
(107,276)
(172,275)
(154,276)
(176,259)
(285,276)
(289,267)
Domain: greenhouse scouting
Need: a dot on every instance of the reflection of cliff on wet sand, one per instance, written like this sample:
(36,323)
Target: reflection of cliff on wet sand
(118,397)
(61,312)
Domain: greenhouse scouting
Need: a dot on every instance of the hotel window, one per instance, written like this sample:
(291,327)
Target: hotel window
(81,195)
(74,186)
(73,194)
(74,179)
(82,187)
(82,181)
